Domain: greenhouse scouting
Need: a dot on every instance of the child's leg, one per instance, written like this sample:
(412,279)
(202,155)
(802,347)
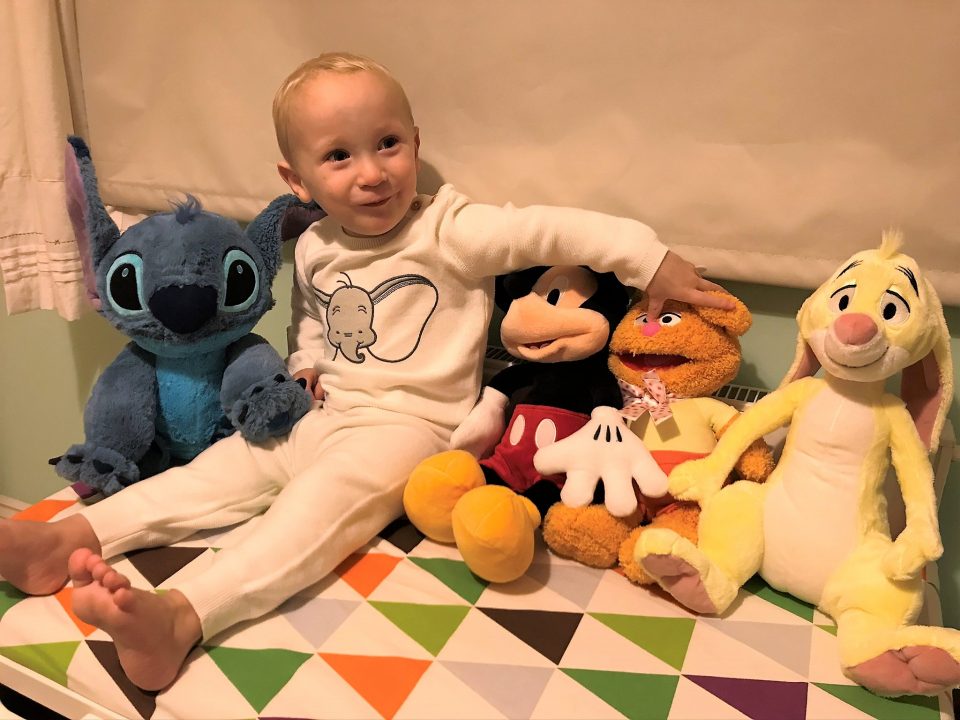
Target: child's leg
(337,500)
(226,484)
(343,493)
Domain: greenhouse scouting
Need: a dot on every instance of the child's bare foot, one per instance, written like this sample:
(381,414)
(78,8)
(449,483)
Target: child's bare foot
(33,555)
(153,633)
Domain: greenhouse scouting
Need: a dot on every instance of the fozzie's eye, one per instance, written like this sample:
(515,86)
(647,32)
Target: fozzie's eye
(670,319)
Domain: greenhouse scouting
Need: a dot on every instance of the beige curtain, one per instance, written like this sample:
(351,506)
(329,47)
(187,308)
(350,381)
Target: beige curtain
(764,140)
(38,255)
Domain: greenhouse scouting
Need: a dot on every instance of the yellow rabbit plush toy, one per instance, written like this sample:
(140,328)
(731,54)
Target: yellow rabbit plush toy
(818,528)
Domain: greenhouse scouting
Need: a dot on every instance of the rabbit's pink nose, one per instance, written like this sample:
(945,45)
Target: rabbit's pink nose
(650,328)
(855,328)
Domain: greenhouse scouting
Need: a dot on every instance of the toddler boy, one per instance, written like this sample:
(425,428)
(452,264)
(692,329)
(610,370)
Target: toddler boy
(392,298)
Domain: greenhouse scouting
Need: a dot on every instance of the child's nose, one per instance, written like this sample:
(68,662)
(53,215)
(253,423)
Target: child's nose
(651,328)
(371,172)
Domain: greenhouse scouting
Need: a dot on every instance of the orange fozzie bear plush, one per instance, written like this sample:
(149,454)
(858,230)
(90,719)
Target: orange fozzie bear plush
(667,367)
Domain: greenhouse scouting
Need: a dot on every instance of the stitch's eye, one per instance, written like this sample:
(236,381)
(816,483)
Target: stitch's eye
(242,281)
(641,319)
(841,298)
(894,309)
(124,280)
(670,319)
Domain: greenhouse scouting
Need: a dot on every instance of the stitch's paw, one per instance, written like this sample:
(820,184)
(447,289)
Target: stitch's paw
(100,468)
(269,408)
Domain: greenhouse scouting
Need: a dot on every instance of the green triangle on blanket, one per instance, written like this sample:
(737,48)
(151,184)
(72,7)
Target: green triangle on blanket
(455,575)
(429,625)
(637,696)
(49,659)
(788,602)
(910,707)
(9,596)
(258,674)
(666,638)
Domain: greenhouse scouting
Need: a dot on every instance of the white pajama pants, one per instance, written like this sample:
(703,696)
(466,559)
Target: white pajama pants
(328,487)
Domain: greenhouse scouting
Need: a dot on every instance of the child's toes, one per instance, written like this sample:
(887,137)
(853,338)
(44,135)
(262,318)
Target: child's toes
(77,567)
(93,560)
(124,598)
(100,570)
(114,581)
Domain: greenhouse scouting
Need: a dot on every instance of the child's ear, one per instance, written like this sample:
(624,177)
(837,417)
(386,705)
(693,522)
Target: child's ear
(416,144)
(292,179)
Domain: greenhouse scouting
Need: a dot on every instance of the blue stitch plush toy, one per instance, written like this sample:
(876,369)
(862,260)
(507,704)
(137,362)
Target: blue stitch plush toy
(187,287)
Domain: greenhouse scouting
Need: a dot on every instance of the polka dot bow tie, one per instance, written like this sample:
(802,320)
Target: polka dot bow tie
(652,398)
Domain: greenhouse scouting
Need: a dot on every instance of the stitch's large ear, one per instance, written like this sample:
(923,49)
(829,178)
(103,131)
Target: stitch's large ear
(927,386)
(736,321)
(805,363)
(94,230)
(284,218)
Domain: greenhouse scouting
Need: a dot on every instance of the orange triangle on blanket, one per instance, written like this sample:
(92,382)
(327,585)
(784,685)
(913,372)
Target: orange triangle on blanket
(44,510)
(65,598)
(384,682)
(365,571)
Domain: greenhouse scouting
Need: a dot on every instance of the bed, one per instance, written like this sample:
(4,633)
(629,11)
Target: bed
(403,630)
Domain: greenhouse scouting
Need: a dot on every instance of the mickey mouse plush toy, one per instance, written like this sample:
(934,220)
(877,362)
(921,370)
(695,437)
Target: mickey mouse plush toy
(558,320)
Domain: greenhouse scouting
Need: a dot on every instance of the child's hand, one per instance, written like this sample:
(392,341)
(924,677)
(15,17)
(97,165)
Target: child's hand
(312,379)
(678,279)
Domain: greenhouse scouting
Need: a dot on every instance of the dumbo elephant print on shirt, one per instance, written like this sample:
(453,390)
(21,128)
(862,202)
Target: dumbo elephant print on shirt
(393,315)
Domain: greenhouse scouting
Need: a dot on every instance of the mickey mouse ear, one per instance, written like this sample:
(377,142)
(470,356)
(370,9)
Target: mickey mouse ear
(516,285)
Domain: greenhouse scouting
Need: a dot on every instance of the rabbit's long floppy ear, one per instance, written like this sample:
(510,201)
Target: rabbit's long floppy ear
(927,386)
(805,363)
(285,218)
(93,229)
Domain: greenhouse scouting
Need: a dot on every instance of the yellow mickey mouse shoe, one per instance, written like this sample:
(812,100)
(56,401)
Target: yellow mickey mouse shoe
(435,486)
(494,531)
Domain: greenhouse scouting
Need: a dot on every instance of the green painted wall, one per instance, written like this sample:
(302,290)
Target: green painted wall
(48,366)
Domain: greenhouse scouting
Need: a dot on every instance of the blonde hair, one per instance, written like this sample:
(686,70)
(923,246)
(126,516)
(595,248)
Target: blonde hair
(337,62)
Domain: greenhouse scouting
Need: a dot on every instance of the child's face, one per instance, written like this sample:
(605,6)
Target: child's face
(354,149)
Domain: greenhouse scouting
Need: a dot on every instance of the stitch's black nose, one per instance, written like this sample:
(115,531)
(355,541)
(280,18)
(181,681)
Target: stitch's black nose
(183,308)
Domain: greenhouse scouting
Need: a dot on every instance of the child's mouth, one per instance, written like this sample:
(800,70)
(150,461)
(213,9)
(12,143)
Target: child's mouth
(378,203)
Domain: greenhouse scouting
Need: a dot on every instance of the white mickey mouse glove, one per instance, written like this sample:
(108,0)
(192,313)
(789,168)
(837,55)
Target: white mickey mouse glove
(603,449)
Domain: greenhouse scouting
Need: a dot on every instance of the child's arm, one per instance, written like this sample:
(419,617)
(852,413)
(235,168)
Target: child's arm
(305,334)
(490,240)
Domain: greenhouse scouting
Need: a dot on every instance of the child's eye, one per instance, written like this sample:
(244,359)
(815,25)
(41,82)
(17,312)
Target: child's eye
(337,155)
(389,142)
